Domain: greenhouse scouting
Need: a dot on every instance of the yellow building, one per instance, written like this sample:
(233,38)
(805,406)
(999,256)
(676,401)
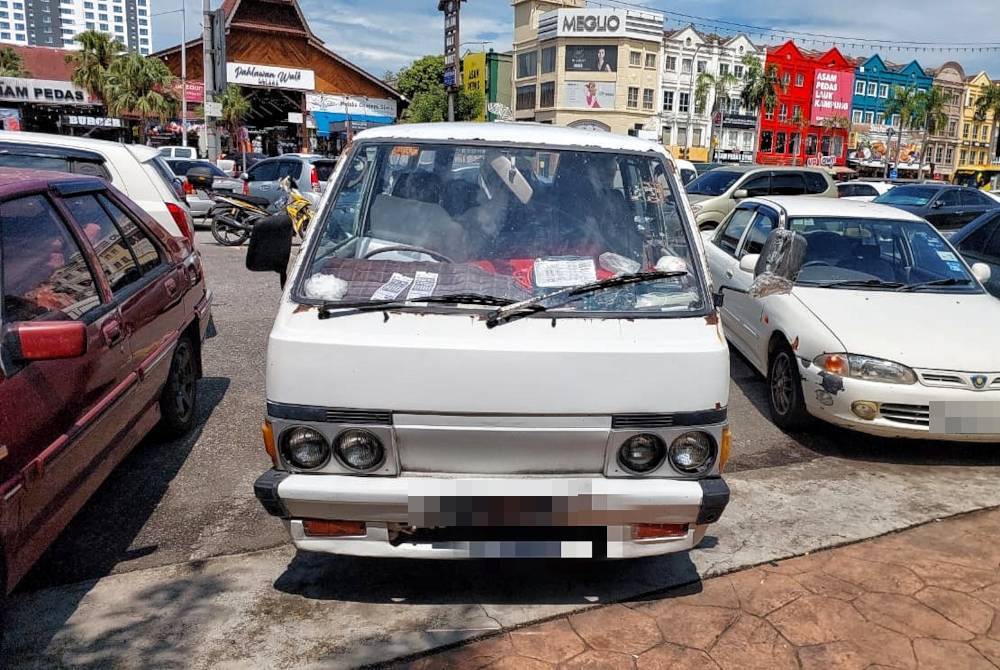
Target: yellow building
(594,68)
(977,146)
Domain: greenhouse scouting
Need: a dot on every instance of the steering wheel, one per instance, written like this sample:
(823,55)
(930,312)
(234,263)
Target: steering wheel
(811,264)
(407,247)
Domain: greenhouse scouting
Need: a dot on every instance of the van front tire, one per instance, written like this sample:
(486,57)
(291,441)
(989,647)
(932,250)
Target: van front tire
(784,390)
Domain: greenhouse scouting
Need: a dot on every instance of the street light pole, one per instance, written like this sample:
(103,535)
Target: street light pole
(184,97)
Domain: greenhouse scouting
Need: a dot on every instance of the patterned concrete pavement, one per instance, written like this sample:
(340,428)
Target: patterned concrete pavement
(924,598)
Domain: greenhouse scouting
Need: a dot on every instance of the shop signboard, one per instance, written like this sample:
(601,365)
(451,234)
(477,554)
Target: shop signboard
(42,91)
(589,94)
(355,105)
(832,95)
(194,91)
(594,22)
(747,121)
(82,121)
(270,76)
(591,58)
(734,156)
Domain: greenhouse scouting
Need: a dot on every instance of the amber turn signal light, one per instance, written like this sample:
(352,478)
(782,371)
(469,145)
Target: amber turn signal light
(269,447)
(324,528)
(725,447)
(658,531)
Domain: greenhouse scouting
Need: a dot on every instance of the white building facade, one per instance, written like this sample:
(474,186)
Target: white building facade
(56,23)
(687,129)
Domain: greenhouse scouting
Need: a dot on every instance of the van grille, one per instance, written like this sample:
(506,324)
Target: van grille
(911,415)
(360,416)
(643,421)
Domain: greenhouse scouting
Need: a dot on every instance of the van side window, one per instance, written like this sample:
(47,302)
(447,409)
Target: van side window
(758,185)
(787,183)
(816,183)
(728,239)
(45,274)
(142,245)
(766,221)
(117,261)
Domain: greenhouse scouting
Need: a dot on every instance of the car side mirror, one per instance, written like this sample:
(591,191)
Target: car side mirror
(982,272)
(201,178)
(45,340)
(936,204)
(245,176)
(783,255)
(271,246)
(749,263)
(741,194)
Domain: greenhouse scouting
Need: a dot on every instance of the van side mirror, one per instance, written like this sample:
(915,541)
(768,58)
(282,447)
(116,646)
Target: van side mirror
(271,246)
(778,266)
(201,178)
(741,194)
(45,340)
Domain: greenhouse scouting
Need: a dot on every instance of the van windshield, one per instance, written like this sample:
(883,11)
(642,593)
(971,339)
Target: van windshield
(413,221)
(714,182)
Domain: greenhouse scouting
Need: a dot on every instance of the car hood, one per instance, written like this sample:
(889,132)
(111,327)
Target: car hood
(937,331)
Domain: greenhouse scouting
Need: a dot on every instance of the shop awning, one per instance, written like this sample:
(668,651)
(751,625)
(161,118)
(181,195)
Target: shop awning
(327,122)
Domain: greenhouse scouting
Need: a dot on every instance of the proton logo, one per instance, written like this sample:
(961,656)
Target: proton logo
(979,381)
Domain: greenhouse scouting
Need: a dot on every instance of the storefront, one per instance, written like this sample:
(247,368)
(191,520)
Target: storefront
(269,51)
(50,106)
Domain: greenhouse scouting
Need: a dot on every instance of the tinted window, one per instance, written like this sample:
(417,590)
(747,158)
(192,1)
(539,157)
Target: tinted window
(817,183)
(976,241)
(949,198)
(264,172)
(180,168)
(756,186)
(917,196)
(766,221)
(993,244)
(116,259)
(49,163)
(846,190)
(44,271)
(142,246)
(715,182)
(787,183)
(977,199)
(729,237)
(324,169)
(291,169)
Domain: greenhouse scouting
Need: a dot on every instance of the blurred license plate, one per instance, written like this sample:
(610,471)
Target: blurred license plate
(973,417)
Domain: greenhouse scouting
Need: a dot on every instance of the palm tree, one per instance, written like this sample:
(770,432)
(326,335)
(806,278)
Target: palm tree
(760,87)
(931,104)
(904,102)
(988,103)
(11,64)
(719,84)
(140,86)
(93,60)
(235,109)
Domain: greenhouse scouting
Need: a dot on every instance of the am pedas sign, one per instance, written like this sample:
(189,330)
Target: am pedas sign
(832,95)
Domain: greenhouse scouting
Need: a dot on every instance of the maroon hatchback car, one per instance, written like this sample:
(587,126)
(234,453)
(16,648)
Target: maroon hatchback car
(101,325)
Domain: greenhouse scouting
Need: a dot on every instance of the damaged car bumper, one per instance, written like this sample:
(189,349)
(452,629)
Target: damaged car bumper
(443,517)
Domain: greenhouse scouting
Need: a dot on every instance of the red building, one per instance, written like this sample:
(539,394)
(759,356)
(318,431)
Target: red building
(811,121)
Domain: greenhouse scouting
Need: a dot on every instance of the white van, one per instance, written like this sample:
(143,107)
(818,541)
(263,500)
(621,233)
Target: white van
(497,340)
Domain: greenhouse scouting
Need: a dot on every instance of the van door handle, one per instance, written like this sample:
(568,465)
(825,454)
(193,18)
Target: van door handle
(112,331)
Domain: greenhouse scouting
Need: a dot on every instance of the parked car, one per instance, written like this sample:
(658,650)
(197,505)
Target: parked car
(199,201)
(103,318)
(979,242)
(946,207)
(875,336)
(715,194)
(309,172)
(687,171)
(138,171)
(514,424)
(189,153)
(862,191)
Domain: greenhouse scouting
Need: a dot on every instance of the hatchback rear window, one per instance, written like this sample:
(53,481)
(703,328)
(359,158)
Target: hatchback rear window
(324,169)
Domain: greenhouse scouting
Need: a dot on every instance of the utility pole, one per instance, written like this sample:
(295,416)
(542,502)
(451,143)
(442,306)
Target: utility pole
(208,55)
(184,75)
(452,42)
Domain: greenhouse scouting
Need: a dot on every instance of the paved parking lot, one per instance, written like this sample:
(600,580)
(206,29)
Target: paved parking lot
(172,502)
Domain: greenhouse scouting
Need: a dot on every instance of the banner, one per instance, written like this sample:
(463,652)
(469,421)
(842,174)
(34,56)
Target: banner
(832,95)
(270,76)
(44,91)
(589,94)
(591,58)
(194,90)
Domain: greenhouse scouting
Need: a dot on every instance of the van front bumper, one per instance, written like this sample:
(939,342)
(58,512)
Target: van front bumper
(465,517)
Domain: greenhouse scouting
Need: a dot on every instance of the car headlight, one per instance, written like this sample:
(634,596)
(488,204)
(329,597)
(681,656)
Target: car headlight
(305,448)
(692,453)
(866,368)
(359,450)
(641,453)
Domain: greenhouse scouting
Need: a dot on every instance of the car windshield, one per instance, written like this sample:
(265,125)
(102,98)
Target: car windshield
(917,196)
(844,252)
(715,182)
(507,224)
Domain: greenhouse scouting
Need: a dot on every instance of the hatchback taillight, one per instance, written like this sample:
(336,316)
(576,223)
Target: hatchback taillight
(246,187)
(183,221)
(188,188)
(314,178)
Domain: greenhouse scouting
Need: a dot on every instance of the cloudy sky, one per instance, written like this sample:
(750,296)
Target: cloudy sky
(382,35)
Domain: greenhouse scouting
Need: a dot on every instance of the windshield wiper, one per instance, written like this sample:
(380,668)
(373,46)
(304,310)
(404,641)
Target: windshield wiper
(331,310)
(950,281)
(854,283)
(520,310)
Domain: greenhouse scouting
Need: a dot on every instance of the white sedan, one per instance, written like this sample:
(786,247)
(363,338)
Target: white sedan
(862,191)
(886,331)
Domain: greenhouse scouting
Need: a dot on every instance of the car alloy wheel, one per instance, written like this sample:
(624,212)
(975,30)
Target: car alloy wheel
(788,405)
(782,393)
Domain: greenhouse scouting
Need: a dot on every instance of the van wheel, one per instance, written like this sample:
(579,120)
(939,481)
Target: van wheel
(708,225)
(785,398)
(179,399)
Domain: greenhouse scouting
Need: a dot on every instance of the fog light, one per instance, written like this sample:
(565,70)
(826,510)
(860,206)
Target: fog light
(692,453)
(360,450)
(305,448)
(865,409)
(642,453)
(324,528)
(658,531)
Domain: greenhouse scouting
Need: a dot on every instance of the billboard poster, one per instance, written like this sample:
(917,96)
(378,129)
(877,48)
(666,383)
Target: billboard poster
(832,95)
(591,58)
(589,94)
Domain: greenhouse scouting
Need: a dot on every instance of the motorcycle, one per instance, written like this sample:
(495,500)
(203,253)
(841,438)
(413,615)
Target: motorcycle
(298,207)
(234,215)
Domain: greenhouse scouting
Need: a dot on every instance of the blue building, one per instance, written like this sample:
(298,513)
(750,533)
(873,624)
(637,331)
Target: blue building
(874,80)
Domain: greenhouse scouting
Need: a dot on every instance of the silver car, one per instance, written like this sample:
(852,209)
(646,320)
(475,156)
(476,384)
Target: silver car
(310,173)
(199,201)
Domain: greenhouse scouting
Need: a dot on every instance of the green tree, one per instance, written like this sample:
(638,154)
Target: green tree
(931,105)
(903,101)
(719,84)
(93,60)
(422,82)
(760,87)
(140,86)
(988,103)
(235,110)
(11,64)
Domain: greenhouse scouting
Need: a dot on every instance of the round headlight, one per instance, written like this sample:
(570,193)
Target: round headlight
(692,453)
(305,448)
(360,450)
(642,453)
